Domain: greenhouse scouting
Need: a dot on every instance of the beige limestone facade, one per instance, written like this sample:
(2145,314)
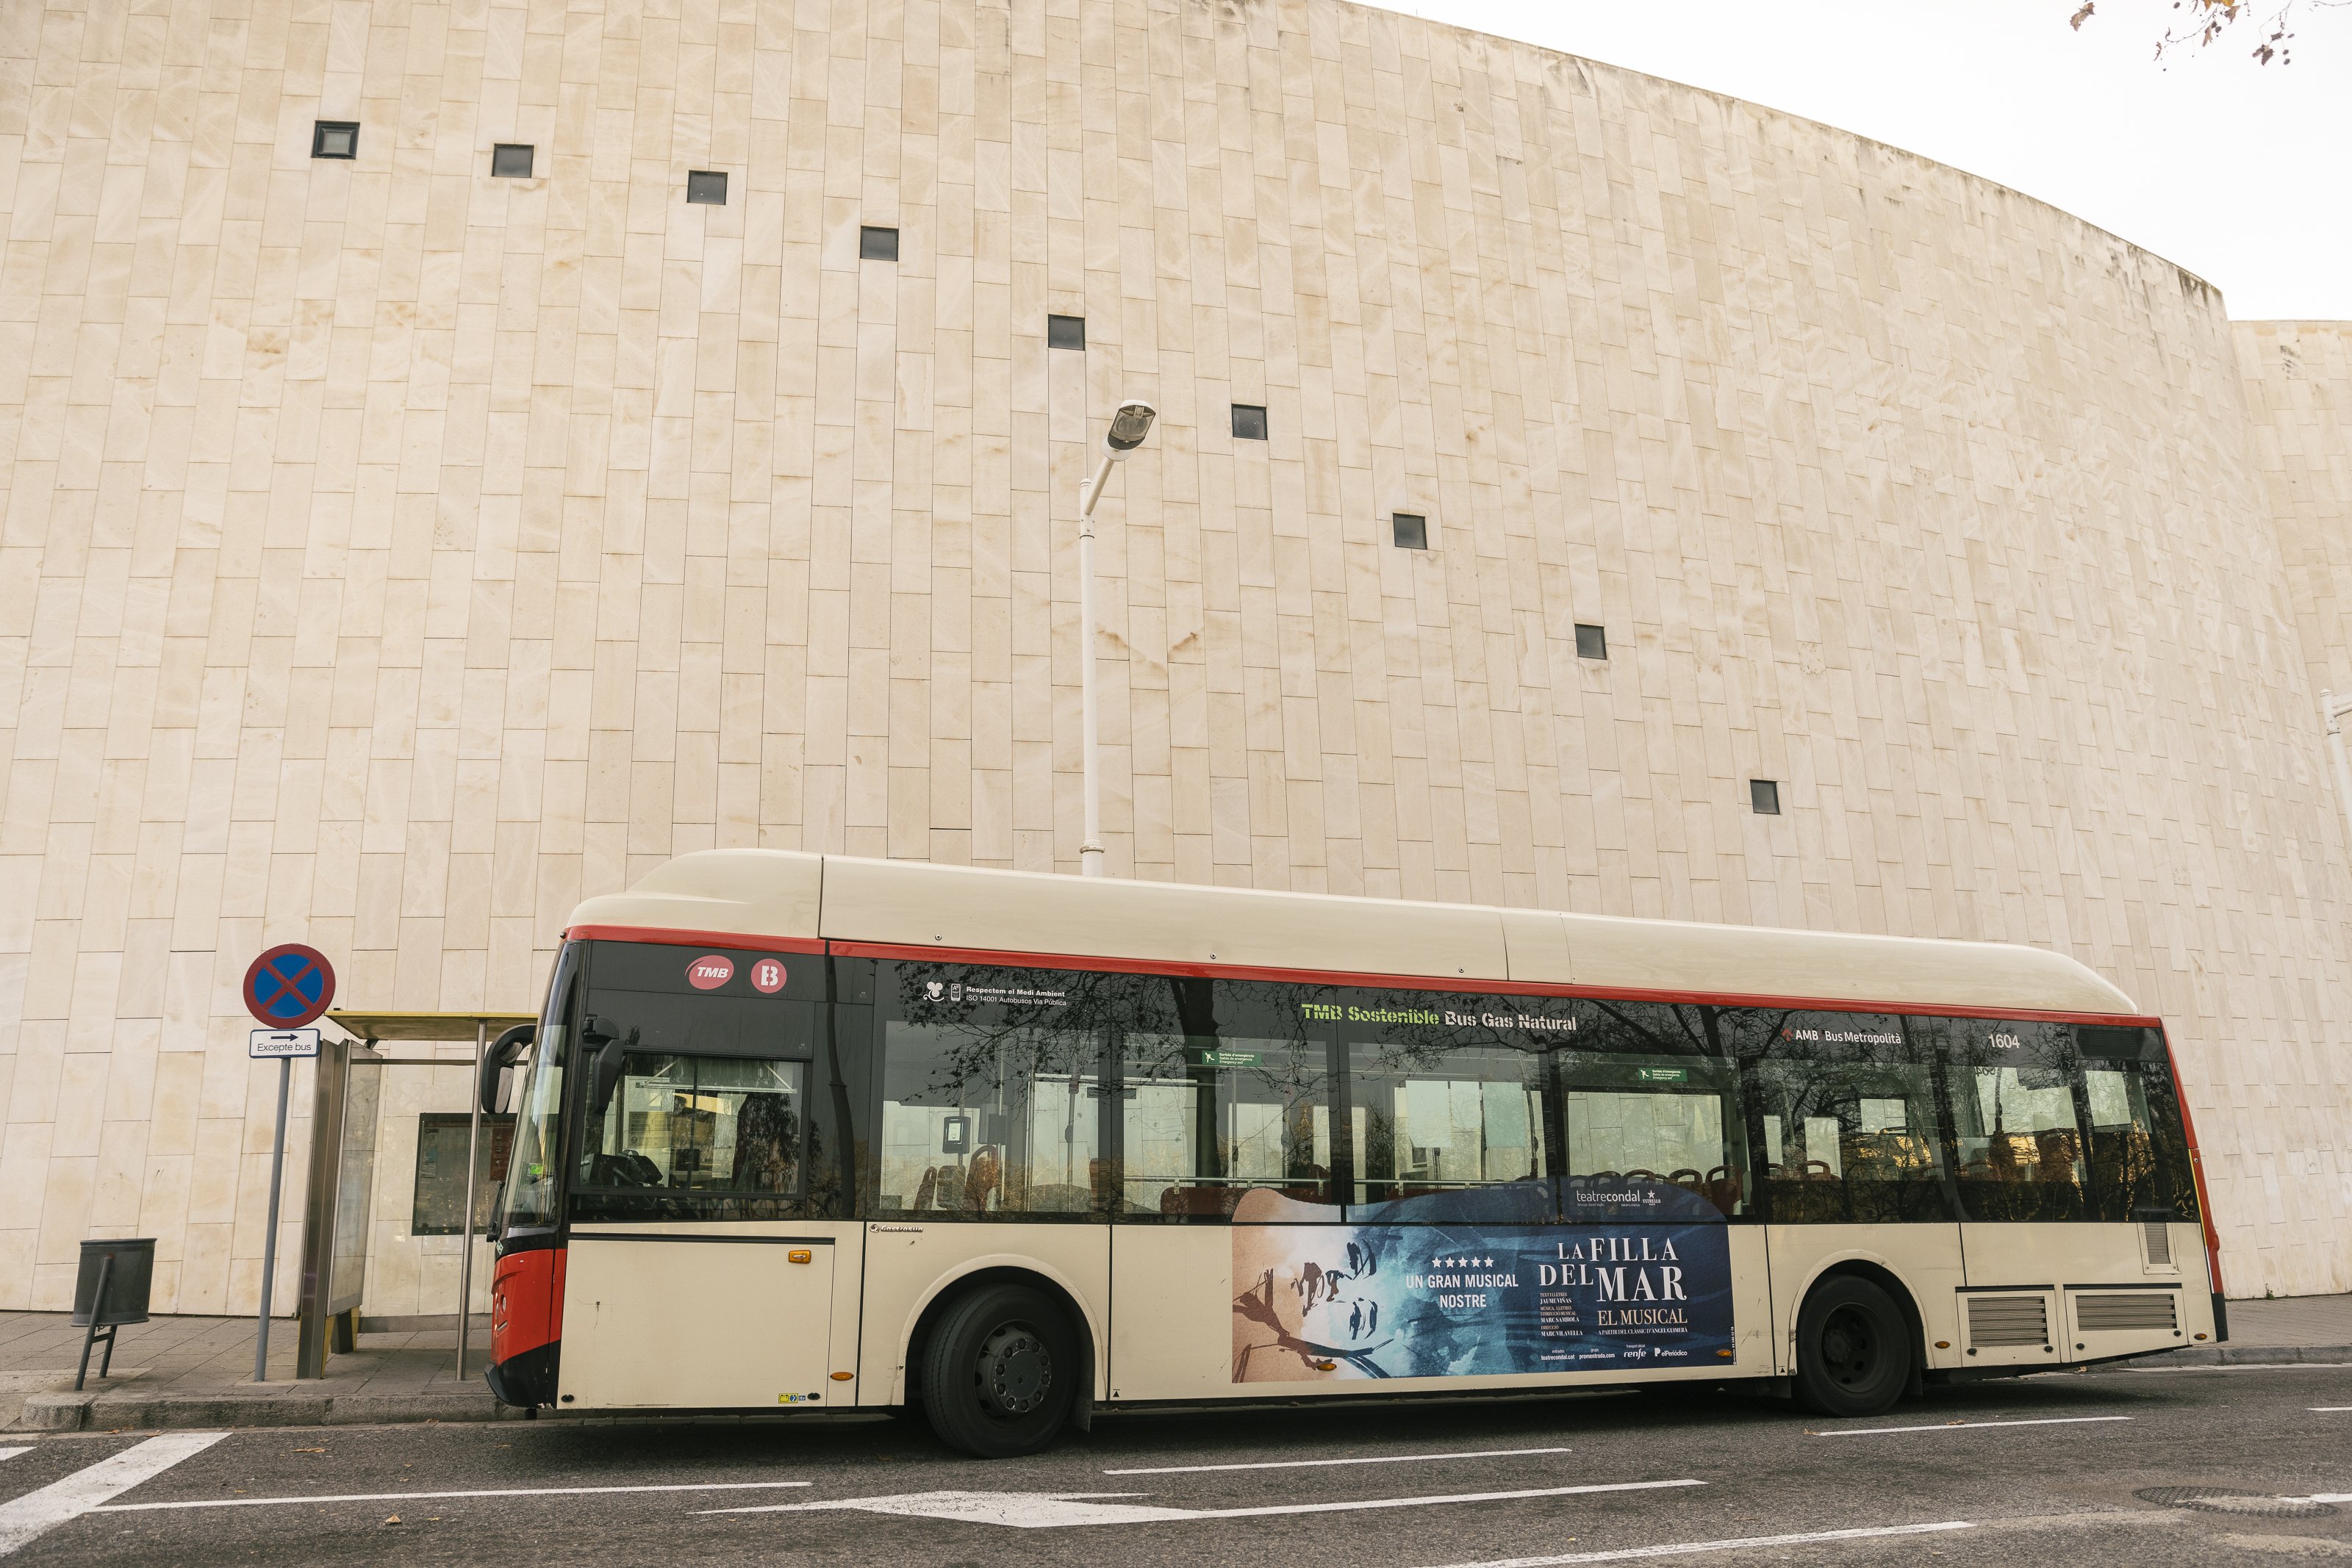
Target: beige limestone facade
(393,554)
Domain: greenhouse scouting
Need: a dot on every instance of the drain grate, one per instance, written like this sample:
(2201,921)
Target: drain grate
(2230,1500)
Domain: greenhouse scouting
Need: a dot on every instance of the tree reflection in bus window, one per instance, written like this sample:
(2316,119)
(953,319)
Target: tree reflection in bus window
(700,1124)
(1206,1118)
(2016,1123)
(1649,1114)
(981,1121)
(1845,1111)
(1431,1116)
(2139,1150)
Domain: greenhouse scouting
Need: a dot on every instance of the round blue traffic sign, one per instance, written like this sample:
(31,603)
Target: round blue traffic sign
(289,986)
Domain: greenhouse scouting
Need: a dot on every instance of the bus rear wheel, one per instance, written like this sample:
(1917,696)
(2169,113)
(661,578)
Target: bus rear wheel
(1000,1373)
(1853,1349)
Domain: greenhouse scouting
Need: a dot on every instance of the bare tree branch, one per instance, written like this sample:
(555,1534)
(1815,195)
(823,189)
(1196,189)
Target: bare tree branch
(2202,23)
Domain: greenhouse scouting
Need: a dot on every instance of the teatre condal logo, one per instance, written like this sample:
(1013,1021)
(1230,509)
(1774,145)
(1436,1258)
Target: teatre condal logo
(711,971)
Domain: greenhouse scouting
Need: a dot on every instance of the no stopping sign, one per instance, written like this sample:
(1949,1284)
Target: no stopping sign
(289,986)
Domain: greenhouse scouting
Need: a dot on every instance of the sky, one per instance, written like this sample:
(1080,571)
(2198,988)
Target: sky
(2240,172)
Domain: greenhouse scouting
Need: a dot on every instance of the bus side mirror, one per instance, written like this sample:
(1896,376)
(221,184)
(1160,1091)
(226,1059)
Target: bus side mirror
(608,1074)
(496,1083)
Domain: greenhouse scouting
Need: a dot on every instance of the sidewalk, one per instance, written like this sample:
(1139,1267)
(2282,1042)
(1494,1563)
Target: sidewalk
(198,1372)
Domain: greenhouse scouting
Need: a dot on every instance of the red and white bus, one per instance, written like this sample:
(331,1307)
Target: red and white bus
(802,1130)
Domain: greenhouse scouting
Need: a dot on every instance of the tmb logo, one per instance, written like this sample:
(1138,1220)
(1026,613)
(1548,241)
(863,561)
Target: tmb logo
(711,971)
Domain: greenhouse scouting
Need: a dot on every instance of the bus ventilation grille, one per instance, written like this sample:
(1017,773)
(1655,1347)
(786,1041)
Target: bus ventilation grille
(2008,1321)
(2127,1310)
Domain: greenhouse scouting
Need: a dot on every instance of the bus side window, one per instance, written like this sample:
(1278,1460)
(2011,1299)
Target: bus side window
(1843,1107)
(1437,1114)
(984,1120)
(2138,1149)
(1206,1118)
(2017,1134)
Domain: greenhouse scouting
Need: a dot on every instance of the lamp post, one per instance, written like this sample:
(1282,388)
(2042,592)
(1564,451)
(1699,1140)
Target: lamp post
(1130,423)
(2333,712)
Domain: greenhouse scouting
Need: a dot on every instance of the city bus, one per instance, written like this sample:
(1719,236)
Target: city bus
(810,1132)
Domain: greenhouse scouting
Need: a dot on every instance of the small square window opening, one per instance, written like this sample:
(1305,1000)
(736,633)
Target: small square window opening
(1764,795)
(1591,642)
(1411,531)
(1065,331)
(510,161)
(335,138)
(1249,422)
(878,245)
(706,187)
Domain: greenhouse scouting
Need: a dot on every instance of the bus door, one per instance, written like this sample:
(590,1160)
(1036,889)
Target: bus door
(693,1280)
(696,1322)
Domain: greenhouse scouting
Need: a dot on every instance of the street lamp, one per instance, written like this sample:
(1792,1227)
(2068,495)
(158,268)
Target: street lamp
(2333,712)
(1130,423)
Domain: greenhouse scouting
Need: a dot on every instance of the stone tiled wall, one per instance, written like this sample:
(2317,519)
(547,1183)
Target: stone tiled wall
(2299,385)
(391,556)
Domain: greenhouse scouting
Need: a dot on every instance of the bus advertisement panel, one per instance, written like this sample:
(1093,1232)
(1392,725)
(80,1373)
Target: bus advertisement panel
(1464,1301)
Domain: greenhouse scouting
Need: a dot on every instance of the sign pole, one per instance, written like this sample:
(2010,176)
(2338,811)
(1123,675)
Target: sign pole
(286,989)
(269,1239)
(473,1165)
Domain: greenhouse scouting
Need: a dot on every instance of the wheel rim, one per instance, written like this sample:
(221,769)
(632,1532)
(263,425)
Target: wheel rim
(1015,1371)
(1850,1347)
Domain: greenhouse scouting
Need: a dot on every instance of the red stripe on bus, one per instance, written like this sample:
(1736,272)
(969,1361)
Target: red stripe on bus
(674,938)
(2196,1169)
(1459,984)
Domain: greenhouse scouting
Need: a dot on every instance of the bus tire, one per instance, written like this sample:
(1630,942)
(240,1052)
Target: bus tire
(1853,1349)
(1000,1372)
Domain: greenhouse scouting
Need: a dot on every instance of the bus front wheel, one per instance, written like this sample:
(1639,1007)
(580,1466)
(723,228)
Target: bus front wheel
(1853,1349)
(1000,1373)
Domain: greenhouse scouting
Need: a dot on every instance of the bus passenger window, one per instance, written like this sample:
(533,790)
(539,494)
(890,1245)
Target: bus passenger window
(2016,1130)
(1431,1114)
(1844,1108)
(1648,1135)
(984,1121)
(2138,1149)
(1205,1118)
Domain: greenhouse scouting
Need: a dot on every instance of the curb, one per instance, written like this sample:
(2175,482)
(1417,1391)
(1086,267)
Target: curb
(2240,1355)
(96,1412)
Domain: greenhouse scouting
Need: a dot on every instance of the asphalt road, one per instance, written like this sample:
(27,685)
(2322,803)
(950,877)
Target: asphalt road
(1645,1475)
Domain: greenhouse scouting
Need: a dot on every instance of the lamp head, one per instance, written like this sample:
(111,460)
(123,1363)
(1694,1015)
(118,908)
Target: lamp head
(1130,423)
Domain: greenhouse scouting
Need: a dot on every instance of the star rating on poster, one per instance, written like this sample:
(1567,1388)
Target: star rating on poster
(1460,1262)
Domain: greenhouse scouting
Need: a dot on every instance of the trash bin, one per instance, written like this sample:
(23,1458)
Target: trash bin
(111,1288)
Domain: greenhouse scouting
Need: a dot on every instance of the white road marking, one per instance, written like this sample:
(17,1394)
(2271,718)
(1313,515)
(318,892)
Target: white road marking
(419,1496)
(2321,1497)
(1745,1543)
(1969,1425)
(1056,1510)
(27,1518)
(1314,1464)
(2314,1407)
(12,1453)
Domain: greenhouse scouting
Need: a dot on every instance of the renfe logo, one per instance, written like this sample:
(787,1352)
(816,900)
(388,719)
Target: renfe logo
(711,971)
(767,976)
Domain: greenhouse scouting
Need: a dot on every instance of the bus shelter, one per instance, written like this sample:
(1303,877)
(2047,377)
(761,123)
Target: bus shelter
(354,1108)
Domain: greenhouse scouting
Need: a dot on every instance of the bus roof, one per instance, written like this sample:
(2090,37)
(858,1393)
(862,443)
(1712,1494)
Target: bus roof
(780,895)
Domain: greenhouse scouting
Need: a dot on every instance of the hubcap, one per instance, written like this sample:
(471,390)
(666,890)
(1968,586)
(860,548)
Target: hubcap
(1849,1346)
(1015,1371)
